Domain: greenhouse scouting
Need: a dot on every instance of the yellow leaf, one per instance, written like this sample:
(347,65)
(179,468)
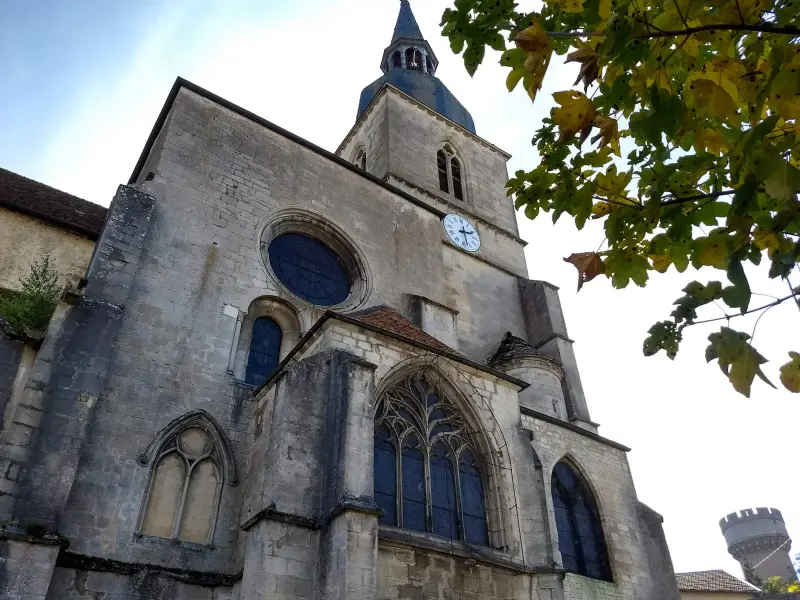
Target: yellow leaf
(691,46)
(710,98)
(790,373)
(570,6)
(661,79)
(575,114)
(589,265)
(601,209)
(714,251)
(611,185)
(609,132)
(784,95)
(766,239)
(513,78)
(661,262)
(710,140)
(535,41)
(604,10)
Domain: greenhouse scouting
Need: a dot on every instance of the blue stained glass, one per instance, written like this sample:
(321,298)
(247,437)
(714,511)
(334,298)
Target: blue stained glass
(414,496)
(265,349)
(472,501)
(443,495)
(580,535)
(385,477)
(309,269)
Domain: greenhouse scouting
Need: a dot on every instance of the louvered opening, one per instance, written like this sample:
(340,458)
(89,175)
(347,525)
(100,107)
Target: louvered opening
(441,160)
(455,168)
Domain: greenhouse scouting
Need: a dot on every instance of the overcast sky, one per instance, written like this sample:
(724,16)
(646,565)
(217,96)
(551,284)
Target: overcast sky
(83,81)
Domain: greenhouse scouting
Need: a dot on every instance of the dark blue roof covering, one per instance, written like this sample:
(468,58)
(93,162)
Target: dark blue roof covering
(425,88)
(406,24)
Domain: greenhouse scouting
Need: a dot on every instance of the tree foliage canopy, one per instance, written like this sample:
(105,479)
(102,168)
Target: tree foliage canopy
(30,310)
(693,110)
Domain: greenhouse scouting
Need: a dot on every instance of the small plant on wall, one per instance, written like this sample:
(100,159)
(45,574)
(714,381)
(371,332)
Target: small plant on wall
(30,310)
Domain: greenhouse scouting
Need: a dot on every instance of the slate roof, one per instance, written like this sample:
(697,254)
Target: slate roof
(406,26)
(388,318)
(43,202)
(713,581)
(512,347)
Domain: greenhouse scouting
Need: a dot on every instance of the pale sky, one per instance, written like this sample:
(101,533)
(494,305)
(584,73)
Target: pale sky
(83,82)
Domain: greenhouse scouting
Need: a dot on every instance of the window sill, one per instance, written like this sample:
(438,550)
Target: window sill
(159,542)
(429,541)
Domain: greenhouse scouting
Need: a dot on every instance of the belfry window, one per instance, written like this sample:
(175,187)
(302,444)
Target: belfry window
(397,59)
(265,348)
(450,174)
(428,476)
(184,489)
(580,534)
(413,59)
(361,159)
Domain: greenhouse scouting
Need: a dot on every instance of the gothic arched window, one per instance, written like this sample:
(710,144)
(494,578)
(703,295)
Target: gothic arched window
(428,476)
(184,491)
(361,159)
(265,350)
(580,534)
(450,175)
(413,59)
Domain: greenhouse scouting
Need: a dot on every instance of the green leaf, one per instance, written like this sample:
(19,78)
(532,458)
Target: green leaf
(696,295)
(737,359)
(624,265)
(737,295)
(663,336)
(514,77)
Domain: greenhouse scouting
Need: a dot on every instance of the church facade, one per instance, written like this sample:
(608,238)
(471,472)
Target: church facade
(296,374)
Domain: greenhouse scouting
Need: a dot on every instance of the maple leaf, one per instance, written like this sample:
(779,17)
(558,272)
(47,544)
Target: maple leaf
(737,359)
(570,6)
(715,98)
(575,114)
(609,132)
(790,373)
(586,55)
(711,141)
(535,41)
(589,265)
(612,185)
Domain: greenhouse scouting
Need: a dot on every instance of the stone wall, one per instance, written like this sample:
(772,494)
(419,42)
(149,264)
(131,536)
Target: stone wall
(24,239)
(634,550)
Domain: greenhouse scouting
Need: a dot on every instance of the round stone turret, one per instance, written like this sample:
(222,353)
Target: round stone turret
(758,539)
(518,358)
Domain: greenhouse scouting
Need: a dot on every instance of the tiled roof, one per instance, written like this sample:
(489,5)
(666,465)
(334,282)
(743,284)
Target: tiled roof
(391,320)
(712,581)
(49,204)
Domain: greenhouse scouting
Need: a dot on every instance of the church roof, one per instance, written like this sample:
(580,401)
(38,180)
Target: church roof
(406,26)
(389,319)
(513,347)
(48,204)
(427,89)
(712,581)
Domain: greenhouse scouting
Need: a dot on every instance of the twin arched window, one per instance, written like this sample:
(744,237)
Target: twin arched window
(450,179)
(265,350)
(428,476)
(361,159)
(580,534)
(184,488)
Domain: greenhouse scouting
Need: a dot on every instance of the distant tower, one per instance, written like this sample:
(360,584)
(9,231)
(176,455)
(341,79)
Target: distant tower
(759,541)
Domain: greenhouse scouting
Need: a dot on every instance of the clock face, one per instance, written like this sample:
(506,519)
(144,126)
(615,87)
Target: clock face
(462,233)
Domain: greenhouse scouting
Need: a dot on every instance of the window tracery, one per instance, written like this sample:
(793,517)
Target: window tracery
(428,476)
(185,485)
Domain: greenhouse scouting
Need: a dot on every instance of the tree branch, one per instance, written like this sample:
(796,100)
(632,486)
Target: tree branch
(698,197)
(752,310)
(760,28)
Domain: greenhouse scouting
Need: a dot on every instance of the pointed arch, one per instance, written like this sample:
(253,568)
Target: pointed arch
(434,461)
(202,420)
(579,528)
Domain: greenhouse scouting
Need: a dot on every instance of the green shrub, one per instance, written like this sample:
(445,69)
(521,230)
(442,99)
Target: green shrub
(31,309)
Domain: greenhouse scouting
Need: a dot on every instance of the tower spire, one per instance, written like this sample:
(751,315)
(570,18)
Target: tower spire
(406,26)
